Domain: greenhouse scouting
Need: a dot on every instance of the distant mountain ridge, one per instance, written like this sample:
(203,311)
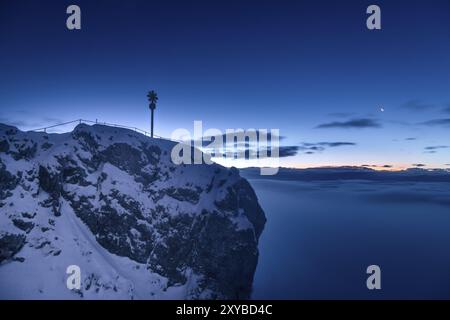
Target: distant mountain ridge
(352,173)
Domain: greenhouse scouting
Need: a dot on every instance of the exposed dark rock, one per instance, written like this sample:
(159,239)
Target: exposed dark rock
(183,194)
(7,182)
(46,146)
(28,215)
(4,146)
(52,184)
(23,225)
(10,244)
(25,152)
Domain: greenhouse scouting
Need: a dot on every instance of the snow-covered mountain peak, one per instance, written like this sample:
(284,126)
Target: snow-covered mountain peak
(111,201)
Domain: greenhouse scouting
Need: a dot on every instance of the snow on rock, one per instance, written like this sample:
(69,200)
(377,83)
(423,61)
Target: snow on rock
(111,201)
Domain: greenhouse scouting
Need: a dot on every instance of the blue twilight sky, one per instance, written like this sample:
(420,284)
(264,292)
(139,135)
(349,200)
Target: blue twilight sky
(310,68)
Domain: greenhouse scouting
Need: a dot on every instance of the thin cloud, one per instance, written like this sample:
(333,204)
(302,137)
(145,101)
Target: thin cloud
(419,165)
(283,152)
(15,123)
(288,151)
(436,147)
(417,105)
(386,166)
(410,139)
(27,124)
(437,122)
(341,114)
(337,144)
(446,109)
(53,120)
(354,123)
(310,148)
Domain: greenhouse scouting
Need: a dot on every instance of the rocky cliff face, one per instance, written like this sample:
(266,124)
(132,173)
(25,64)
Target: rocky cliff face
(112,202)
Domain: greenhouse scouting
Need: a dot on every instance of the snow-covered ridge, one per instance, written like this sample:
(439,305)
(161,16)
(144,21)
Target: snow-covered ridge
(111,201)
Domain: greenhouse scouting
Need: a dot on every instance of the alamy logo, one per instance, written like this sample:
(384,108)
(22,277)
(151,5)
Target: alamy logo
(257,147)
(73,281)
(374,280)
(73,21)
(374,20)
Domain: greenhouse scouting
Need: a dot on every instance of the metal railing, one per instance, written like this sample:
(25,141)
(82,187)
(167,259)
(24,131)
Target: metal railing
(146,133)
